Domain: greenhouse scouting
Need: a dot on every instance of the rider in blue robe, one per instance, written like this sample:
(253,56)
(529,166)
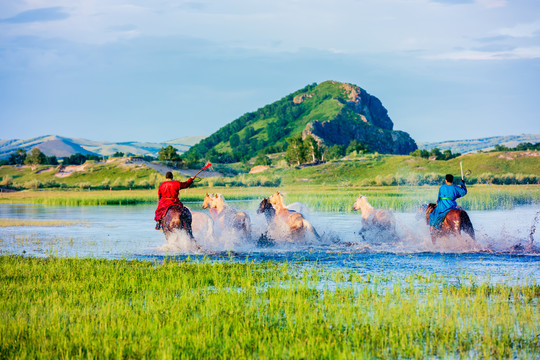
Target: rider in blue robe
(448,193)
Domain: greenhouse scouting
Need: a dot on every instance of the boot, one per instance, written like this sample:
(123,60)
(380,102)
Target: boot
(158,225)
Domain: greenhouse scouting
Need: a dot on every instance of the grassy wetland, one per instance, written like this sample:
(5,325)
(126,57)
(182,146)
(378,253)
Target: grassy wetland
(317,197)
(88,308)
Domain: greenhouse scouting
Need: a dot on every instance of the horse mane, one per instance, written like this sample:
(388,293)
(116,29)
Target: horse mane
(429,209)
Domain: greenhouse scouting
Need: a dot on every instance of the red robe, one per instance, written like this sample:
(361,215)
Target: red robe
(168,196)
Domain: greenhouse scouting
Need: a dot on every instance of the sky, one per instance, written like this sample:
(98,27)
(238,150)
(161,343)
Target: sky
(134,70)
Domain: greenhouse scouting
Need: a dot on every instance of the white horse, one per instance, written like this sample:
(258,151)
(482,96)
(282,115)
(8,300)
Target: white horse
(382,221)
(294,221)
(202,225)
(225,216)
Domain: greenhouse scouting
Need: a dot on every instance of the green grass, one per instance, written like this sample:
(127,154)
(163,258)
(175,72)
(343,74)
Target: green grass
(316,197)
(64,308)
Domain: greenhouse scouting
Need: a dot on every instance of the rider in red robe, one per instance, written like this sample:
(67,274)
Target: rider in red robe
(168,196)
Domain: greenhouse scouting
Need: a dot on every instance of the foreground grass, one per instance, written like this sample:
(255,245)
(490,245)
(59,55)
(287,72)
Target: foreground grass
(338,197)
(60,308)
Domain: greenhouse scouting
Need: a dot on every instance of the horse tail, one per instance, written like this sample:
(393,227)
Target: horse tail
(466,224)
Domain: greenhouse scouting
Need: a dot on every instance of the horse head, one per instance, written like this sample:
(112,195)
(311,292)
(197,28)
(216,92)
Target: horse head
(358,202)
(266,208)
(277,199)
(208,199)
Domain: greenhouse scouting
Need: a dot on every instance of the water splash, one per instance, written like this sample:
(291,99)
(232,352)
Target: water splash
(344,233)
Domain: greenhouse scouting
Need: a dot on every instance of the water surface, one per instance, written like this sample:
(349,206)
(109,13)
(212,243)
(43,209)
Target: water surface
(502,249)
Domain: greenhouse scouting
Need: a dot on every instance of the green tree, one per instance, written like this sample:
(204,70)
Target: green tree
(313,152)
(117,154)
(296,151)
(168,153)
(52,160)
(436,153)
(262,160)
(234,140)
(74,159)
(357,146)
(17,158)
(334,152)
(36,157)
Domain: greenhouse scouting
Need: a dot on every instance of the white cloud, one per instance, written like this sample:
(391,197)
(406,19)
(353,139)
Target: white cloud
(517,53)
(522,30)
(341,26)
(492,3)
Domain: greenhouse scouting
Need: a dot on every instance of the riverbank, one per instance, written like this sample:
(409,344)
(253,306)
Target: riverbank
(338,197)
(200,309)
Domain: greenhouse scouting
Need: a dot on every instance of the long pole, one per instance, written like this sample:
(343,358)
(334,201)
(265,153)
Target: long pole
(461,166)
(204,168)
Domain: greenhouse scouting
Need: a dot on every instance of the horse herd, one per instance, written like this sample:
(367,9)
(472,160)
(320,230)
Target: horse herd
(288,223)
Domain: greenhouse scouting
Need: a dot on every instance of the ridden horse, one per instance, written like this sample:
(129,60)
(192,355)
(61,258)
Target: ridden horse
(455,221)
(381,219)
(226,216)
(177,218)
(294,221)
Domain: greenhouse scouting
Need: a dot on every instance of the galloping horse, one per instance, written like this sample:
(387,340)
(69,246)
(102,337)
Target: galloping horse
(381,219)
(295,222)
(455,221)
(177,218)
(226,216)
(202,225)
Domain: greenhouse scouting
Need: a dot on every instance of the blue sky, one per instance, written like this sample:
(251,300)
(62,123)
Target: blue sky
(133,70)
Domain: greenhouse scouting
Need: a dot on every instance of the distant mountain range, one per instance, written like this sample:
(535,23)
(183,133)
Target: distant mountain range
(63,146)
(484,144)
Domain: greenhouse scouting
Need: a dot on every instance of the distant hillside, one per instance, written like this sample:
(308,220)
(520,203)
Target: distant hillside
(63,146)
(484,144)
(332,112)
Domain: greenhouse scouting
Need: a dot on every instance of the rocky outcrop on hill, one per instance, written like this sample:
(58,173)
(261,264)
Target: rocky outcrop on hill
(362,118)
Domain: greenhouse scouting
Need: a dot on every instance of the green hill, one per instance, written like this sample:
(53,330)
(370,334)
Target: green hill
(332,112)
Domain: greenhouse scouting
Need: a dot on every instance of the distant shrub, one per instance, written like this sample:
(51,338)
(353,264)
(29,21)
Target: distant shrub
(414,179)
(389,180)
(33,184)
(84,185)
(7,181)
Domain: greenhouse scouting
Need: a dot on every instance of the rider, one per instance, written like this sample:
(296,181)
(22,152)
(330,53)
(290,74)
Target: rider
(448,193)
(168,196)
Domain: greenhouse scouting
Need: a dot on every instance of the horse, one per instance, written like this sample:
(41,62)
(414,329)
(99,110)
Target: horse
(455,221)
(202,225)
(226,216)
(294,221)
(382,219)
(177,218)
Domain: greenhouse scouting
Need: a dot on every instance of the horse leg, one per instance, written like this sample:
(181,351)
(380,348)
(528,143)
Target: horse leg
(434,234)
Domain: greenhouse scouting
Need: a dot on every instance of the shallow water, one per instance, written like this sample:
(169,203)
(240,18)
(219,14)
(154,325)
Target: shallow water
(502,249)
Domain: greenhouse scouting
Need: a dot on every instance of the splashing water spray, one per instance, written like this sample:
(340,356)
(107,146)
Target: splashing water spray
(530,247)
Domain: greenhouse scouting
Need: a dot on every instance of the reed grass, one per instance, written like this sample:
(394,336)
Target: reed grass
(329,198)
(89,308)
(26,222)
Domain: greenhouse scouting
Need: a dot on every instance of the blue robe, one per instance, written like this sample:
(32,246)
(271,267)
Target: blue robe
(446,202)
